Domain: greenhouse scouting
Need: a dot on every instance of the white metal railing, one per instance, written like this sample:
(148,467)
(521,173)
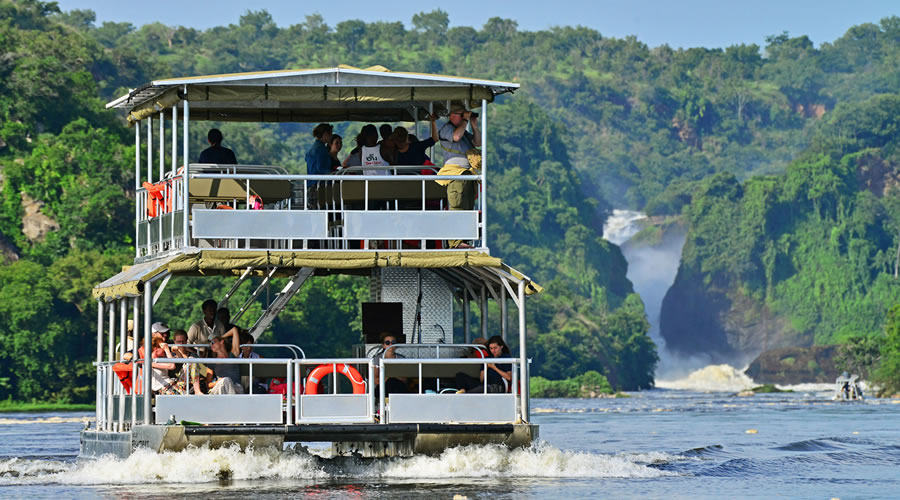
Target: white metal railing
(450,350)
(330,405)
(420,363)
(160,212)
(111,395)
(348,210)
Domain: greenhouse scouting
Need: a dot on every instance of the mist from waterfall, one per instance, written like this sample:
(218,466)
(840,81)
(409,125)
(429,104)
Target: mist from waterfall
(652,271)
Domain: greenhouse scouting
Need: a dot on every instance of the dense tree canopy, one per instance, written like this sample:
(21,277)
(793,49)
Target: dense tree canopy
(816,244)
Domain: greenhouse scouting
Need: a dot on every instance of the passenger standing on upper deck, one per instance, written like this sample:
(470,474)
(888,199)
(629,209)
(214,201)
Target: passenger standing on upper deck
(207,328)
(215,153)
(385,130)
(409,153)
(318,160)
(334,147)
(455,138)
(371,151)
(456,141)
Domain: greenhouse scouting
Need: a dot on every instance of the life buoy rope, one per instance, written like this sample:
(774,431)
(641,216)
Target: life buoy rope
(314,379)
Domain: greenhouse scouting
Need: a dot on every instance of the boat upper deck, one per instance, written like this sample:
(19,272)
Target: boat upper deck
(185,205)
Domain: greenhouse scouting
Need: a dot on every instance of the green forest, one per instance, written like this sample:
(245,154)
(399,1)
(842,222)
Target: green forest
(761,149)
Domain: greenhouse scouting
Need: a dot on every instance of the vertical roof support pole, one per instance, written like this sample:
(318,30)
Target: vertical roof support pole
(466,331)
(523,358)
(484,125)
(503,319)
(162,170)
(137,185)
(484,312)
(148,353)
(98,404)
(109,373)
(170,190)
(135,315)
(187,177)
(415,113)
(150,148)
(162,148)
(123,322)
(174,141)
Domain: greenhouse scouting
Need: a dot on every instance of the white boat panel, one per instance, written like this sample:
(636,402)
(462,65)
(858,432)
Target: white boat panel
(452,408)
(221,409)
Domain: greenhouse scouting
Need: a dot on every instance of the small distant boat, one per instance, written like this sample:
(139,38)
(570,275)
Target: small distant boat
(846,388)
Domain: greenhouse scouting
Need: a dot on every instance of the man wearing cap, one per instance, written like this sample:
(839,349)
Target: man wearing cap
(207,328)
(456,141)
(159,375)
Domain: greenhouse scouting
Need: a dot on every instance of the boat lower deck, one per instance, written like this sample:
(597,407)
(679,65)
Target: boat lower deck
(367,440)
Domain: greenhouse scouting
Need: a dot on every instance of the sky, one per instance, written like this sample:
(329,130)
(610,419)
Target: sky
(678,23)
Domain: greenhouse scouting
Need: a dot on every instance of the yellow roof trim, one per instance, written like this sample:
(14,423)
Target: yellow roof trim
(130,282)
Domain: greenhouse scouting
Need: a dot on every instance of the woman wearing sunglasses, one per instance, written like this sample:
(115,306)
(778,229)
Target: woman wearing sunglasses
(388,348)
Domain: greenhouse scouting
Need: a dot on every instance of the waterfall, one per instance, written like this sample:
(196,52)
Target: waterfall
(652,270)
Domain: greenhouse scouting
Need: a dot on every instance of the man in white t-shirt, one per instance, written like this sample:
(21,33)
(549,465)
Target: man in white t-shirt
(203,331)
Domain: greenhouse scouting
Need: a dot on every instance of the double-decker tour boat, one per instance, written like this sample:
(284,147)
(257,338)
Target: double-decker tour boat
(247,221)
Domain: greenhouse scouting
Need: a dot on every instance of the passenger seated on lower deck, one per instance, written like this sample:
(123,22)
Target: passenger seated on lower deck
(498,375)
(259,384)
(179,338)
(226,376)
(388,347)
(223,315)
(204,330)
(464,380)
(159,376)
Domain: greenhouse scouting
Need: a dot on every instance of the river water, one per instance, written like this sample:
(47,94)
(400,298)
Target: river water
(663,443)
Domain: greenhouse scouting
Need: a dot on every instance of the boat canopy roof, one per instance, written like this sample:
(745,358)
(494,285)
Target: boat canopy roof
(344,93)
(461,268)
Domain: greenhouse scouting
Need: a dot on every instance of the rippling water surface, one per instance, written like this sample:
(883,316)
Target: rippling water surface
(656,444)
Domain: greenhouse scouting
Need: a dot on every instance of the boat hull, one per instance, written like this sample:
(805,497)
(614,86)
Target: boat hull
(368,440)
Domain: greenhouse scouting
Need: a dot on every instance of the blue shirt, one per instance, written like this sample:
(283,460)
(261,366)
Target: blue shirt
(318,161)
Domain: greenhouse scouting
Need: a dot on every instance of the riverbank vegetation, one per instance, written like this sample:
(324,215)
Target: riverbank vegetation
(8,406)
(587,385)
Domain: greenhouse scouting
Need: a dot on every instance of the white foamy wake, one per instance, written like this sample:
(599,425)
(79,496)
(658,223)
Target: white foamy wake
(810,387)
(712,378)
(44,420)
(203,465)
(496,461)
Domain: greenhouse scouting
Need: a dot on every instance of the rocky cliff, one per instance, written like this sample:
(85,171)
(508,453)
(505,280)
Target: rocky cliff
(795,365)
(720,322)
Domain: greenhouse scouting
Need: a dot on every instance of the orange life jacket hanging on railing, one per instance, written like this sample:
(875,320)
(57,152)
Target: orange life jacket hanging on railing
(156,198)
(123,371)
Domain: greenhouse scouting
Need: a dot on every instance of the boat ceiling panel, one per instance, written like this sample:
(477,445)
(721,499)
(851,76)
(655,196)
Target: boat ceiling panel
(130,282)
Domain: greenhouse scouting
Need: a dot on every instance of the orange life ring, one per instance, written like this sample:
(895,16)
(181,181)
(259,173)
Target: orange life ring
(315,377)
